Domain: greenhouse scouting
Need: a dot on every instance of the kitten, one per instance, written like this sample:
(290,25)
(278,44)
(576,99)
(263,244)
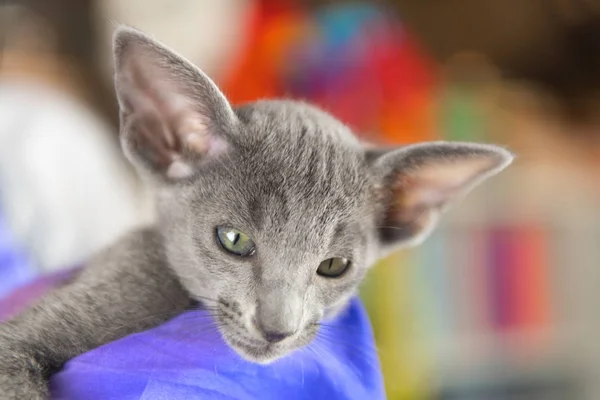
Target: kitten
(270,213)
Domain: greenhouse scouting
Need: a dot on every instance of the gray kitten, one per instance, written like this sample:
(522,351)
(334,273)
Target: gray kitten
(270,213)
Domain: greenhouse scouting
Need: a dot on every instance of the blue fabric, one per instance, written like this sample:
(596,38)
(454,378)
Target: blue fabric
(186,358)
(15,266)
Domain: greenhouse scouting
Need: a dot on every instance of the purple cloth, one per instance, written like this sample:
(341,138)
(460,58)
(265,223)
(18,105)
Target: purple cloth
(186,358)
(15,266)
(20,298)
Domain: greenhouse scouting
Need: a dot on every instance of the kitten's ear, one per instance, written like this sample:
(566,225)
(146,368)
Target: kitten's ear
(173,117)
(417,182)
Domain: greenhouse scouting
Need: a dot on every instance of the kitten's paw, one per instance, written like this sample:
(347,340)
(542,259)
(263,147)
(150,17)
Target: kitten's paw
(20,379)
(22,387)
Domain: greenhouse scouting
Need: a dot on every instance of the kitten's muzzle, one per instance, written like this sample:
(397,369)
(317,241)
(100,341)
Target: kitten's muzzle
(272,335)
(278,313)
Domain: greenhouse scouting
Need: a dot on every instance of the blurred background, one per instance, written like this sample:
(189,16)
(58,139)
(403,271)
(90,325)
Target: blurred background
(503,302)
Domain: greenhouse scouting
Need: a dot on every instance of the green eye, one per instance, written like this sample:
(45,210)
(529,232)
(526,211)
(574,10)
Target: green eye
(235,242)
(333,267)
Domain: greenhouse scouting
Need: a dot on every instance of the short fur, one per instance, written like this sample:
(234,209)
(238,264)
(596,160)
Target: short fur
(293,178)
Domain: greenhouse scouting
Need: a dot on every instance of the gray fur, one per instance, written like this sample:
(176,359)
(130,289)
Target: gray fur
(293,178)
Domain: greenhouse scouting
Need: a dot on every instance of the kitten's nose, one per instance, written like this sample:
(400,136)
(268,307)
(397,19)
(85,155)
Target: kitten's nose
(271,335)
(274,336)
(278,311)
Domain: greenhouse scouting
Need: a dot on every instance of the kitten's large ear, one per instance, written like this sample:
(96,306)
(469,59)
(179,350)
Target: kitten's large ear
(417,182)
(173,117)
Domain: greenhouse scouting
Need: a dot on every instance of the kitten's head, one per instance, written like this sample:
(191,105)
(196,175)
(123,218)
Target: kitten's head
(272,212)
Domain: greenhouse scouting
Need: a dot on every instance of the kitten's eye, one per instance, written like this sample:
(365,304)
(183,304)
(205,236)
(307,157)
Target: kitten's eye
(235,242)
(333,267)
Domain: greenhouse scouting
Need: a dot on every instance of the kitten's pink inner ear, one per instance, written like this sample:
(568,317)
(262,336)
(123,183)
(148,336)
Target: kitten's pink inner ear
(179,170)
(200,144)
(167,124)
(434,184)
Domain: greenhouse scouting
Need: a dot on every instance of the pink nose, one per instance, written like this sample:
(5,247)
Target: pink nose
(271,335)
(274,337)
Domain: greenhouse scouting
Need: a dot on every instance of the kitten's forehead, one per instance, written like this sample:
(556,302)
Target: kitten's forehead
(299,167)
(301,148)
(287,121)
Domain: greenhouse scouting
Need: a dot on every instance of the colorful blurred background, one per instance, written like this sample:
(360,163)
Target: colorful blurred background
(502,302)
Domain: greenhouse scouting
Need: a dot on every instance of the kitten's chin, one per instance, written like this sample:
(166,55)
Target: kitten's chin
(266,353)
(258,354)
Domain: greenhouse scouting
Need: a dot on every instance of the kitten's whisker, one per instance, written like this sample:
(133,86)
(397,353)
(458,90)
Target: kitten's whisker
(207,299)
(336,340)
(208,308)
(350,347)
(333,329)
(400,228)
(325,324)
(355,371)
(199,333)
